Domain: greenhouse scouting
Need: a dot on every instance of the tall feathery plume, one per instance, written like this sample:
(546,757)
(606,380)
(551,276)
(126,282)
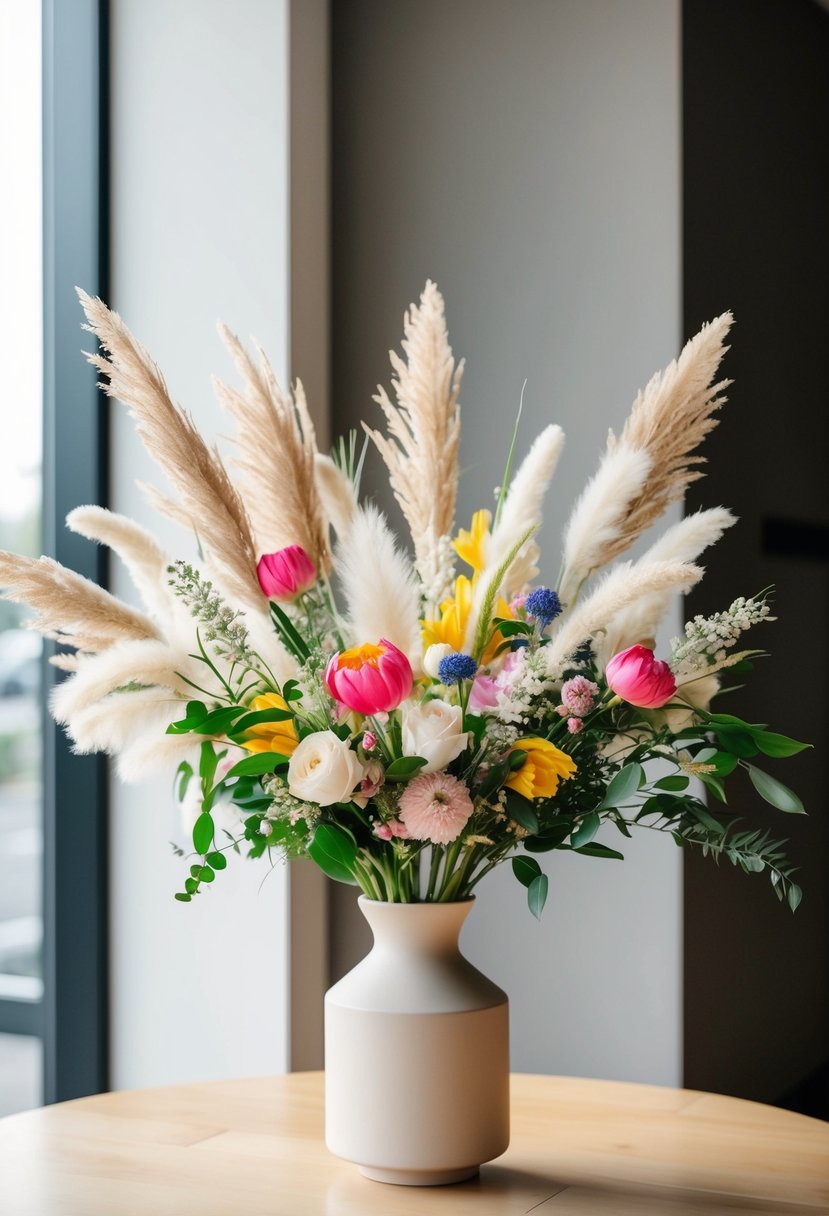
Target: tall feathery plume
(667,422)
(379,585)
(137,663)
(145,560)
(337,494)
(277,450)
(523,509)
(210,504)
(421,450)
(69,608)
(683,542)
(620,587)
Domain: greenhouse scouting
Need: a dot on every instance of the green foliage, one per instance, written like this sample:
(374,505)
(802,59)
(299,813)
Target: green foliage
(335,852)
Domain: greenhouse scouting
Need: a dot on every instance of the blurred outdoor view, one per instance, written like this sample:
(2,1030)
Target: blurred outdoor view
(20,530)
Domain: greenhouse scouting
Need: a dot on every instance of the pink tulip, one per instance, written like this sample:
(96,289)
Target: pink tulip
(370,679)
(286,574)
(640,679)
(483,694)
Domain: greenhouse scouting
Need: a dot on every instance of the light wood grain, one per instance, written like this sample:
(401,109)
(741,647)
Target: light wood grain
(255,1148)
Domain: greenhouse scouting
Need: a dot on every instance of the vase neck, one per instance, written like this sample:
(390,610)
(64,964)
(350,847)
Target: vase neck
(430,928)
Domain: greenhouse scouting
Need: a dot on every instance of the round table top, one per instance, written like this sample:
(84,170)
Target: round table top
(579,1147)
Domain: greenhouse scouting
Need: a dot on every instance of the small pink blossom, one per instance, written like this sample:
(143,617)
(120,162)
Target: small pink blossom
(578,696)
(373,779)
(369,741)
(286,574)
(517,603)
(574,725)
(483,694)
(388,831)
(435,807)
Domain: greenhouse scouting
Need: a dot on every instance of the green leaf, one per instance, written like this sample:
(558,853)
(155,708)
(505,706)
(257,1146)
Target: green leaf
(207,766)
(257,765)
(493,586)
(673,784)
(404,768)
(794,896)
(525,869)
(288,633)
(724,762)
(704,816)
(516,760)
(185,899)
(494,779)
(184,772)
(203,833)
(511,629)
(291,691)
(623,786)
(715,785)
(586,830)
(335,851)
(774,792)
(257,717)
(520,810)
(217,860)
(738,742)
(599,850)
(537,895)
(771,744)
(195,711)
(206,874)
(191,886)
(552,837)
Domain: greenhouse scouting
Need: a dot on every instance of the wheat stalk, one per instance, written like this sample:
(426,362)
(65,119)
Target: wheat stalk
(421,449)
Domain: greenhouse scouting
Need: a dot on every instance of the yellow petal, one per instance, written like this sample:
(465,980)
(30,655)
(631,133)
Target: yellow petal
(278,737)
(471,546)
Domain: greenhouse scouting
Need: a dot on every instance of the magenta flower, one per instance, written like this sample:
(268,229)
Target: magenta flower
(578,696)
(435,807)
(370,679)
(640,679)
(387,831)
(286,574)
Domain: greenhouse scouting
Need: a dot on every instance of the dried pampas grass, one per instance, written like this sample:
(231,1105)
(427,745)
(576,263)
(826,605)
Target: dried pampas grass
(145,560)
(620,587)
(424,429)
(683,542)
(209,503)
(523,510)
(337,494)
(667,422)
(277,450)
(379,584)
(69,608)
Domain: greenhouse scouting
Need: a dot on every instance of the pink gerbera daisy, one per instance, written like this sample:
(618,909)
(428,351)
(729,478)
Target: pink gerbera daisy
(435,807)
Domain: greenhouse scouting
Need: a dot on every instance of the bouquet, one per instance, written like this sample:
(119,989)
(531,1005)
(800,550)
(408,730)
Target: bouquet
(409,718)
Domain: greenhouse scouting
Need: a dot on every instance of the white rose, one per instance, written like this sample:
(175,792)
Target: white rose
(433,656)
(324,769)
(432,730)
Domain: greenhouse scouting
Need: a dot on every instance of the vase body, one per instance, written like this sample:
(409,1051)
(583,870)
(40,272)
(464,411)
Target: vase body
(416,1052)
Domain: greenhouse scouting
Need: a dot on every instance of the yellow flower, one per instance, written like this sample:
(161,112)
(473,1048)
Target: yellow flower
(471,546)
(450,628)
(541,772)
(278,737)
(454,614)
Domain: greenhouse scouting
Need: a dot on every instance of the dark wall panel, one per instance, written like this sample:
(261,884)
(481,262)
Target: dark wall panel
(756,240)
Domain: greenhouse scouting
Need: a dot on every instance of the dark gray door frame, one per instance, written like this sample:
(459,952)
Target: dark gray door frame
(75,248)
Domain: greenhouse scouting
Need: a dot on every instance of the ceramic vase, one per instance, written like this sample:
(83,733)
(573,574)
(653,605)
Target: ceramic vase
(416,1052)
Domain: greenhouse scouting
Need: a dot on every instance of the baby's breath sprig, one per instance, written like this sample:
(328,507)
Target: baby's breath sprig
(707,638)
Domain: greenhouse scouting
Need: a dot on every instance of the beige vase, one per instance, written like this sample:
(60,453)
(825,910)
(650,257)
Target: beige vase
(416,1052)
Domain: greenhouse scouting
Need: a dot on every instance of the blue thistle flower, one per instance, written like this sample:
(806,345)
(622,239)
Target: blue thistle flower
(544,605)
(456,667)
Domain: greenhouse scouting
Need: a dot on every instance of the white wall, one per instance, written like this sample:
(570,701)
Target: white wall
(200,153)
(526,156)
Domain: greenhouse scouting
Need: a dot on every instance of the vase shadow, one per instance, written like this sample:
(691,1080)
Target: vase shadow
(517,1190)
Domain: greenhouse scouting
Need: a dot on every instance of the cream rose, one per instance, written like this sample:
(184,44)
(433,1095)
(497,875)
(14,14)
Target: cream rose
(324,769)
(432,730)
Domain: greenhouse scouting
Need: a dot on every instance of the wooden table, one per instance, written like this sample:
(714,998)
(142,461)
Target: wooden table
(255,1148)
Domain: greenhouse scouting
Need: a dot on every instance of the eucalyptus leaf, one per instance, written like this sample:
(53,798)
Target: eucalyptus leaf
(599,850)
(537,895)
(623,786)
(520,809)
(794,896)
(217,860)
(203,833)
(586,830)
(525,869)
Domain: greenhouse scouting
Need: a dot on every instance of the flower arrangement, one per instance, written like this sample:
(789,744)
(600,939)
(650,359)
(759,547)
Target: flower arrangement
(410,722)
